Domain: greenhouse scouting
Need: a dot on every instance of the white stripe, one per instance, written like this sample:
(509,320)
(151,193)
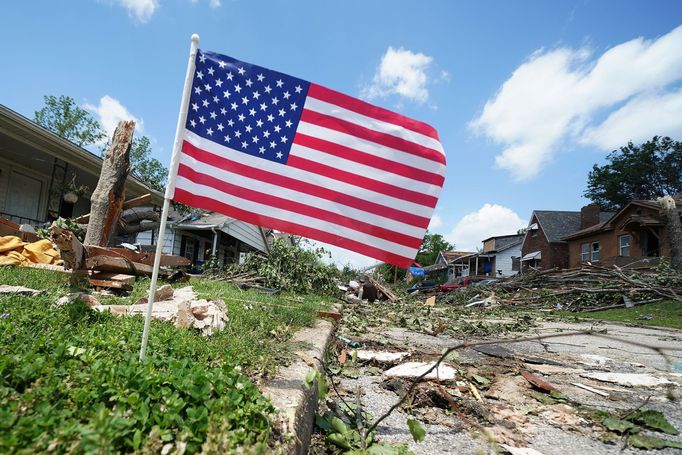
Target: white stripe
(364,170)
(324,107)
(370,147)
(307,199)
(309,177)
(291,217)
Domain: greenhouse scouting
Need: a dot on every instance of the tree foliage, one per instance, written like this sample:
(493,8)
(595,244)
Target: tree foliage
(65,118)
(647,171)
(431,246)
(145,167)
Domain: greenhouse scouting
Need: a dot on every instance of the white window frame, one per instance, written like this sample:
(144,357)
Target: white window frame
(621,247)
(584,252)
(594,251)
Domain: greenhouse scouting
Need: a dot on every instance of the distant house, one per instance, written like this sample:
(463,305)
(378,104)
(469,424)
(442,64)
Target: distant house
(444,268)
(636,231)
(500,257)
(199,237)
(37,167)
(544,246)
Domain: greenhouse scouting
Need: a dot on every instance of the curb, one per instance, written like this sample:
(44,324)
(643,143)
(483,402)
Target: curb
(297,403)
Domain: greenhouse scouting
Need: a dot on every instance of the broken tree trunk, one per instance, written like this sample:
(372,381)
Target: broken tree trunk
(107,199)
(674,227)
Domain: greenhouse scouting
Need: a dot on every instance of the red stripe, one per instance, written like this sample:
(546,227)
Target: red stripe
(364,182)
(387,140)
(361,107)
(293,228)
(298,207)
(368,159)
(304,187)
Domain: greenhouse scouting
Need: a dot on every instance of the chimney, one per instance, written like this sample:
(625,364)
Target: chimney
(589,216)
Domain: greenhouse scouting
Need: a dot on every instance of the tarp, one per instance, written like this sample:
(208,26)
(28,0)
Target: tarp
(14,251)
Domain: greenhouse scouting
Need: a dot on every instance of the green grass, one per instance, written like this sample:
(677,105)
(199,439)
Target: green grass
(70,379)
(664,314)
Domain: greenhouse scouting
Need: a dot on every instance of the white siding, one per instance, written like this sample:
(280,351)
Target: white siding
(503,261)
(145,238)
(247,233)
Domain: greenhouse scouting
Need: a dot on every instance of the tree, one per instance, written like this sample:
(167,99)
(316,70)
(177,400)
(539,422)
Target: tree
(431,246)
(647,171)
(143,166)
(65,118)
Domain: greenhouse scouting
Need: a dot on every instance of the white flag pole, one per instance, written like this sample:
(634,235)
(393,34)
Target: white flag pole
(170,187)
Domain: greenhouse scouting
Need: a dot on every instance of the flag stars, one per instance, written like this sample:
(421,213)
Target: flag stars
(238,88)
(223,111)
(275,100)
(259,123)
(204,102)
(245,144)
(271,117)
(219,83)
(298,89)
(279,83)
(226,94)
(294,106)
(197,90)
(286,95)
(209,132)
(202,120)
(283,139)
(193,123)
(252,112)
(245,100)
(241,70)
(227,138)
(282,112)
(263,106)
(249,82)
(288,123)
(241,117)
(220,127)
(211,71)
(234,106)
(202,58)
(261,150)
(261,78)
(248,128)
(254,139)
(207,87)
(213,115)
(200,75)
(273,144)
(230,123)
(216,99)
(268,89)
(195,107)
(222,64)
(256,95)
(229,76)
(277,129)
(279,155)
(266,134)
(238,134)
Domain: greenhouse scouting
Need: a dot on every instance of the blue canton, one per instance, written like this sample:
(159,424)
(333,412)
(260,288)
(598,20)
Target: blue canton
(245,107)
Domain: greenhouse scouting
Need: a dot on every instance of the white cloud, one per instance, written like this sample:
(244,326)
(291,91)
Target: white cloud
(140,10)
(401,72)
(488,221)
(638,121)
(110,111)
(436,222)
(553,98)
(211,3)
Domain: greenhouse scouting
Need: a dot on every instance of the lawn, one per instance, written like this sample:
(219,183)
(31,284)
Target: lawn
(663,314)
(71,381)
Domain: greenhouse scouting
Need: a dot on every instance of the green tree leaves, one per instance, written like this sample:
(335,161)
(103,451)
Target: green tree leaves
(65,118)
(645,171)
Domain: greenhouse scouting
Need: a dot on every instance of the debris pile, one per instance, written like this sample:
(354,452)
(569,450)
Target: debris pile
(15,251)
(587,288)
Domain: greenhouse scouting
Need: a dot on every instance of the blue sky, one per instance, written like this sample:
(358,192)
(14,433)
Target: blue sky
(526,96)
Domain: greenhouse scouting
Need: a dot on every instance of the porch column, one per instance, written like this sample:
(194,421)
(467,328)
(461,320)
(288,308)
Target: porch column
(476,274)
(216,237)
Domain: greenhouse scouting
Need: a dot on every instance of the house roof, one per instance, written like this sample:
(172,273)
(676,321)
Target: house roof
(557,224)
(30,133)
(236,228)
(504,242)
(450,256)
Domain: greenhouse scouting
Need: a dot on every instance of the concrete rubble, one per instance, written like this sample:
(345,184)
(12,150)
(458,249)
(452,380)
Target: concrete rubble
(181,307)
(416,369)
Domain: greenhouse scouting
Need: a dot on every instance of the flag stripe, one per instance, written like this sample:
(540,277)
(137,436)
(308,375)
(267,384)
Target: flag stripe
(230,160)
(323,107)
(377,137)
(332,96)
(246,181)
(200,189)
(368,159)
(370,147)
(297,207)
(364,182)
(206,203)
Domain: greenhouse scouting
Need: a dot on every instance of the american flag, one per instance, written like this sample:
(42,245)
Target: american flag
(283,153)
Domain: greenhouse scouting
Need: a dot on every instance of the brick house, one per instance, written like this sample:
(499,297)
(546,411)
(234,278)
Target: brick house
(544,245)
(636,231)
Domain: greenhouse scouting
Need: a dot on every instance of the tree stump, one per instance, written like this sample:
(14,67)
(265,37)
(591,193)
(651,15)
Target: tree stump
(674,227)
(106,203)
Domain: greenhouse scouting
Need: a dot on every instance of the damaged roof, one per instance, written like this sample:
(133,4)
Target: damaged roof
(558,224)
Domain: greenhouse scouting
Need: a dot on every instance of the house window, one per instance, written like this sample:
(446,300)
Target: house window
(585,252)
(595,251)
(624,245)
